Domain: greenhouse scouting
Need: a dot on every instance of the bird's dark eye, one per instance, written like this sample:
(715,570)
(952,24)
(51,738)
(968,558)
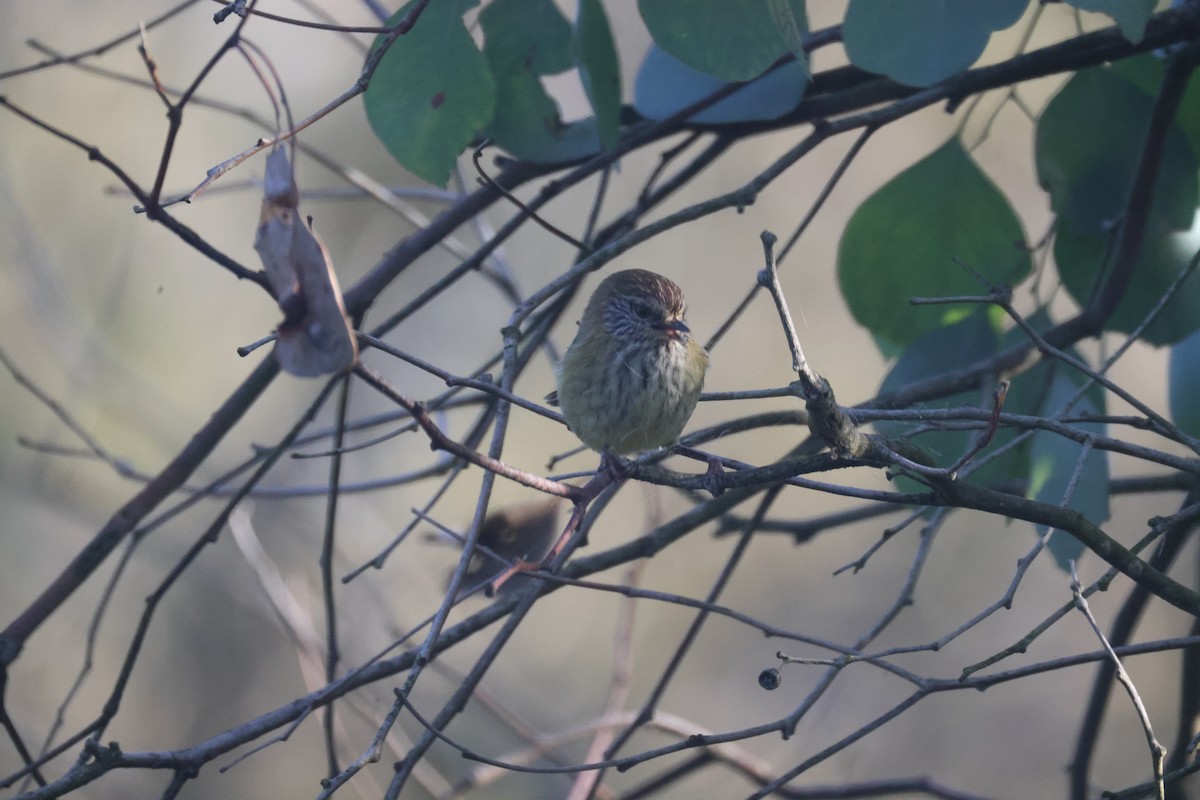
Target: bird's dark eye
(643,312)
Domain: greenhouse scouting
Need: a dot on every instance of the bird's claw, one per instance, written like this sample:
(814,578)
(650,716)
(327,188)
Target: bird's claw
(618,469)
(714,478)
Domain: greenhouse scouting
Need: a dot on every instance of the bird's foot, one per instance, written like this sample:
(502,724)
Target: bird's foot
(618,469)
(714,477)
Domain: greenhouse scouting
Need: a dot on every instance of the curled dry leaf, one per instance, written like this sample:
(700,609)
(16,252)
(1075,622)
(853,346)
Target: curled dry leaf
(315,338)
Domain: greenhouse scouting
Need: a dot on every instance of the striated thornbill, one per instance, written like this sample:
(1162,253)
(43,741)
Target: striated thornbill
(633,374)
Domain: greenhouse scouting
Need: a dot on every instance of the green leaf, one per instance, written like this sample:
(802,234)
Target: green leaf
(1184,380)
(431,93)
(1082,262)
(666,85)
(793,28)
(531,34)
(734,40)
(524,40)
(1131,16)
(1027,395)
(920,42)
(958,346)
(952,347)
(887,348)
(596,54)
(1089,140)
(902,242)
(1056,459)
(1146,73)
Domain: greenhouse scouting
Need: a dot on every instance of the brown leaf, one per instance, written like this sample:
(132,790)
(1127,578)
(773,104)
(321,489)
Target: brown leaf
(315,338)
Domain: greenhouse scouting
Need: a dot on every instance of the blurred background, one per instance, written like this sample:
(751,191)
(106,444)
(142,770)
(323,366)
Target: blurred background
(135,335)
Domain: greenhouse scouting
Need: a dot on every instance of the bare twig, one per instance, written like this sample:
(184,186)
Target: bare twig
(1157,753)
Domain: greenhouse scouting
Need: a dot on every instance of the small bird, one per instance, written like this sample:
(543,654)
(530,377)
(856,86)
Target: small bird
(522,533)
(631,378)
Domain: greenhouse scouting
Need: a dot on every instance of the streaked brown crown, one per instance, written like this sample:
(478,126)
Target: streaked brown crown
(640,283)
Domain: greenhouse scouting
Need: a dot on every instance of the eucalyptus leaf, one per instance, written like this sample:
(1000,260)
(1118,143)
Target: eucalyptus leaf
(952,347)
(1131,16)
(921,42)
(525,40)
(432,92)
(1084,260)
(1088,145)
(1055,462)
(665,85)
(733,40)
(1146,73)
(902,242)
(596,55)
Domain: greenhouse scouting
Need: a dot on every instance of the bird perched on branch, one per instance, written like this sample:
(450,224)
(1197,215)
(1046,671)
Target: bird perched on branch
(631,378)
(629,381)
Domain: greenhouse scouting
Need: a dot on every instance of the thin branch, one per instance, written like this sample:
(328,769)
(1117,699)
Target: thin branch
(1157,753)
(103,48)
(304,23)
(13,638)
(439,440)
(189,236)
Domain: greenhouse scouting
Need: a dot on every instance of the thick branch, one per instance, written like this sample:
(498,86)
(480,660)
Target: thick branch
(964,495)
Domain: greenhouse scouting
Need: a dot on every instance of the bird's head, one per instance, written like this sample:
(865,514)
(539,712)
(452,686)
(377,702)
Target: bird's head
(636,303)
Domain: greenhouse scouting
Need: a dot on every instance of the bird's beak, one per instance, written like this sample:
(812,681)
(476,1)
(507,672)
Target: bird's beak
(674,327)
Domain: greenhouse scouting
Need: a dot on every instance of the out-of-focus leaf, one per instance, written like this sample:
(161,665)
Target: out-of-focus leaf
(1146,73)
(920,42)
(1131,16)
(734,40)
(1081,263)
(902,242)
(432,92)
(524,40)
(951,347)
(596,54)
(793,29)
(1089,140)
(1055,460)
(665,85)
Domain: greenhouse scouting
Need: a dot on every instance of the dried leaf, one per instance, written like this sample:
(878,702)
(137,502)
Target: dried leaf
(315,337)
